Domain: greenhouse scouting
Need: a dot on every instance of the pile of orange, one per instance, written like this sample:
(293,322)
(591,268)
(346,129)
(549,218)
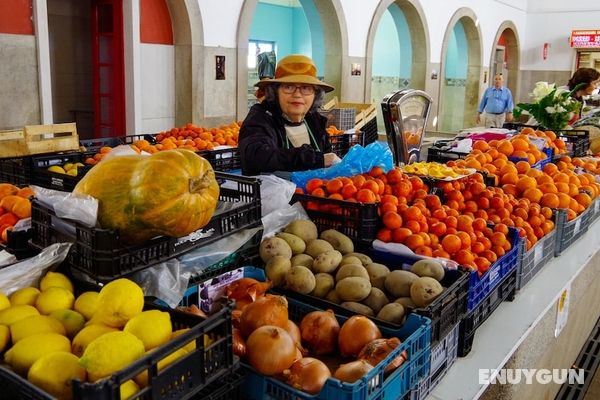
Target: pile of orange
(332,130)
(14,206)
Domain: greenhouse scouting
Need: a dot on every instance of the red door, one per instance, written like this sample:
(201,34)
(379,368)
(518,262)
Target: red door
(108,68)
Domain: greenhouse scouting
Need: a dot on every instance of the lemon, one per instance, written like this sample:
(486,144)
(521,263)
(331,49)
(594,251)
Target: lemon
(110,353)
(54,298)
(86,336)
(151,327)
(4,337)
(118,302)
(27,351)
(67,166)
(55,279)
(33,325)
(72,321)
(72,171)
(79,165)
(53,373)
(57,168)
(191,346)
(26,295)
(142,378)
(13,314)
(128,389)
(87,304)
(4,302)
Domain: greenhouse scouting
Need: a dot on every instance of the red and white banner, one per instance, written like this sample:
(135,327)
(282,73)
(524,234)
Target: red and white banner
(584,39)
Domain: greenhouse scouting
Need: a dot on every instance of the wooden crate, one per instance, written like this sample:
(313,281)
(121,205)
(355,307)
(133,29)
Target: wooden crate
(39,139)
(364,112)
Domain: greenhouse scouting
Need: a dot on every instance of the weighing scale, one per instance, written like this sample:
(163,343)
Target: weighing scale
(405,115)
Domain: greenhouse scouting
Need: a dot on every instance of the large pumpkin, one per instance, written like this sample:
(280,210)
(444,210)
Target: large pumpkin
(171,193)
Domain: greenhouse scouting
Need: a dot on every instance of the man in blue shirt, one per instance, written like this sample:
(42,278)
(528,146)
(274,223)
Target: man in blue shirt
(496,104)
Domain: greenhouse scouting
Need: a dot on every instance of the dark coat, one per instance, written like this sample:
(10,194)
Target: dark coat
(263,146)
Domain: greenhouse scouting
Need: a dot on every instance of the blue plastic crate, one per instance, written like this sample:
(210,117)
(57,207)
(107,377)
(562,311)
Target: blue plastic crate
(415,335)
(480,287)
(540,164)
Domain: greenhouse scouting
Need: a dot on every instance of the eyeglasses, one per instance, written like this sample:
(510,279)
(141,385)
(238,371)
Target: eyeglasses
(305,90)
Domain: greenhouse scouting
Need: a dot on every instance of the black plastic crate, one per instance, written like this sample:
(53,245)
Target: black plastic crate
(94,145)
(440,151)
(358,221)
(577,141)
(341,144)
(18,244)
(55,180)
(183,378)
(223,159)
(569,231)
(229,388)
(103,257)
(531,262)
(16,170)
(504,291)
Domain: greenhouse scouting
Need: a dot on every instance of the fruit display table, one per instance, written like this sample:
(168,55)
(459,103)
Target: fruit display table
(521,334)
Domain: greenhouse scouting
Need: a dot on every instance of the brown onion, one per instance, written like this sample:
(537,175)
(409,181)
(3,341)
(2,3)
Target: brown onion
(320,331)
(270,350)
(294,332)
(193,309)
(307,374)
(352,371)
(356,332)
(377,350)
(267,310)
(239,345)
(245,291)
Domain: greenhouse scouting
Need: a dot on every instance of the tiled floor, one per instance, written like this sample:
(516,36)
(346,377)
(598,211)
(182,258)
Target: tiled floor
(593,392)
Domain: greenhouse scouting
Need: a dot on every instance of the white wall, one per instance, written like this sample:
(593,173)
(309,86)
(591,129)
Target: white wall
(158,88)
(220,22)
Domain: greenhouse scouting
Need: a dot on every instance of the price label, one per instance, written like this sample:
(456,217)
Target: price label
(596,206)
(538,252)
(494,275)
(562,311)
(577,225)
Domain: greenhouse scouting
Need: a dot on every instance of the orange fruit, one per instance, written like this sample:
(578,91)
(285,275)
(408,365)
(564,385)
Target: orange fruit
(451,243)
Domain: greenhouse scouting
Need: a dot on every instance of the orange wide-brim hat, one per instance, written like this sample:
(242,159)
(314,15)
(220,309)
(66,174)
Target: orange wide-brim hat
(296,68)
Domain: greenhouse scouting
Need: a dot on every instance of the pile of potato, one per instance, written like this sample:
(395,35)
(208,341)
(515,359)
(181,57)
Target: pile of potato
(327,267)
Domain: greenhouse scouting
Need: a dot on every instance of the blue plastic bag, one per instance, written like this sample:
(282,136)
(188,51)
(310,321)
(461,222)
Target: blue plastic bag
(359,160)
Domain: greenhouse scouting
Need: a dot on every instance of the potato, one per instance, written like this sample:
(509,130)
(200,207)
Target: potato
(333,297)
(358,308)
(274,246)
(338,240)
(398,282)
(393,312)
(296,244)
(364,259)
(316,247)
(376,300)
(324,284)
(277,268)
(406,302)
(377,274)
(350,260)
(349,270)
(300,279)
(327,262)
(302,259)
(303,228)
(429,268)
(424,290)
(353,288)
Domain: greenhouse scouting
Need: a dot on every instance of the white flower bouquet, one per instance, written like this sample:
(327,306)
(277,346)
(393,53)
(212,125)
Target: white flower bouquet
(552,108)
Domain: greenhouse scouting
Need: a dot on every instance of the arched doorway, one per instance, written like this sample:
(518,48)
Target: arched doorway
(505,56)
(321,35)
(460,72)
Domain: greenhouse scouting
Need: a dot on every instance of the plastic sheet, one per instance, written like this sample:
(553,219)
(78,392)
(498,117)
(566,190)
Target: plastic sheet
(275,193)
(163,281)
(358,161)
(75,206)
(28,272)
(277,220)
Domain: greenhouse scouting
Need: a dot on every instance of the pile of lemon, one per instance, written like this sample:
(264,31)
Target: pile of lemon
(51,337)
(434,170)
(67,168)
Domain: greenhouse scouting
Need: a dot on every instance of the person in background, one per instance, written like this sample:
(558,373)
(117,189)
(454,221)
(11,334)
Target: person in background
(284,132)
(496,105)
(589,80)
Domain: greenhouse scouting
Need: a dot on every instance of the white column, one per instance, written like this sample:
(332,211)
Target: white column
(40,22)
(133,90)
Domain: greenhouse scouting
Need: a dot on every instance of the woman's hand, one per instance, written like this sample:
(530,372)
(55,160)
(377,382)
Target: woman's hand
(331,159)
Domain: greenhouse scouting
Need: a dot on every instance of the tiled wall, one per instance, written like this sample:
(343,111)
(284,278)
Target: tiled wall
(382,86)
(452,117)
(529,79)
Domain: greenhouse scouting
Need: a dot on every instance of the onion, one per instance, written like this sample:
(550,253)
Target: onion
(235,318)
(292,329)
(352,371)
(267,310)
(270,350)
(377,350)
(307,374)
(320,331)
(355,334)
(193,309)
(239,345)
(245,291)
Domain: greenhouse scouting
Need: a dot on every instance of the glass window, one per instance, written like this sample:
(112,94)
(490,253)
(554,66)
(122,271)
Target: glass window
(255,47)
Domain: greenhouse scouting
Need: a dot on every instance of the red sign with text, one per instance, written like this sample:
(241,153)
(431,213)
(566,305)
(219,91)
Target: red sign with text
(582,39)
